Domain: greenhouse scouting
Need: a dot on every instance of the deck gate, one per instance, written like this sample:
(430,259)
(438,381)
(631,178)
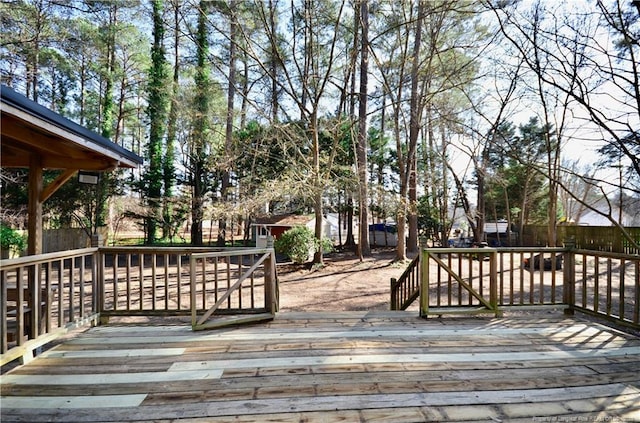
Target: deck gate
(463,280)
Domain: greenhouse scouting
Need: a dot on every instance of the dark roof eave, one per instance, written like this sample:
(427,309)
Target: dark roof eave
(18,101)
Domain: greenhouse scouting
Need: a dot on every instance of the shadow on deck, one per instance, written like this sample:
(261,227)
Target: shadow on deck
(333,367)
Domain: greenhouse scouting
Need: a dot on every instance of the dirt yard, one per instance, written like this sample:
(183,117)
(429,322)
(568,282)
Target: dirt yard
(344,283)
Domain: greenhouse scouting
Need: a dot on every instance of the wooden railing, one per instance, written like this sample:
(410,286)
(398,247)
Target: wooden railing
(606,285)
(405,290)
(493,280)
(237,282)
(150,281)
(47,295)
(530,277)
(43,297)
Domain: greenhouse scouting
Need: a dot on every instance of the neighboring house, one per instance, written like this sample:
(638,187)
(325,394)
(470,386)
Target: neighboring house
(276,225)
(591,218)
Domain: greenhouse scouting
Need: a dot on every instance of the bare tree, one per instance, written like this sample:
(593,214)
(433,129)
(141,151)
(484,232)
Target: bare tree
(311,54)
(363,242)
(601,79)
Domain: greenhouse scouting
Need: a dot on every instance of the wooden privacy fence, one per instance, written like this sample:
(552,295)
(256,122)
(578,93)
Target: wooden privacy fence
(593,238)
(478,280)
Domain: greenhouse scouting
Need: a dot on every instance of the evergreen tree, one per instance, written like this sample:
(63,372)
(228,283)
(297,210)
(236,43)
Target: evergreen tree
(200,136)
(157,112)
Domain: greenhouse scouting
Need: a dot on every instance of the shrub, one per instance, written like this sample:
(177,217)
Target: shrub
(10,239)
(296,243)
(327,245)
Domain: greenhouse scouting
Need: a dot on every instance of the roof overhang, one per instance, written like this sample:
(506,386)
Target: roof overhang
(30,129)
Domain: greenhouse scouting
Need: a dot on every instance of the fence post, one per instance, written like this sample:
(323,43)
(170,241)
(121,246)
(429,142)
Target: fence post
(569,277)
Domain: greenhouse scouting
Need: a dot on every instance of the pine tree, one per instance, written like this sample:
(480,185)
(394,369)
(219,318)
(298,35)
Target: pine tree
(157,112)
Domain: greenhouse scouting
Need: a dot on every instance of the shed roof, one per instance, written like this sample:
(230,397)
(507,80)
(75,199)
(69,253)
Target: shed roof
(284,220)
(29,128)
(499,227)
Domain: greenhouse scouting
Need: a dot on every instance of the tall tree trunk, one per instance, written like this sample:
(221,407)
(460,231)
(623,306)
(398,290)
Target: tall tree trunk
(168,164)
(273,62)
(317,194)
(414,131)
(201,130)
(363,242)
(102,189)
(157,121)
(228,143)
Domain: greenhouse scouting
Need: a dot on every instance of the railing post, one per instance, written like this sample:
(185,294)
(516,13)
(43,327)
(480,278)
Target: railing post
(569,277)
(394,295)
(424,283)
(270,283)
(97,279)
(493,282)
(100,298)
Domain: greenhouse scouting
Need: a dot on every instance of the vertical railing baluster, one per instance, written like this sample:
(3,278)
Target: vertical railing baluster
(511,276)
(240,287)
(4,342)
(204,282)
(82,310)
(20,306)
(622,275)
(609,286)
(128,281)
(585,265)
(193,290)
(179,279)
(252,282)
(115,258)
(154,272)
(166,281)
(141,282)
(636,304)
(228,281)
(72,291)
(596,282)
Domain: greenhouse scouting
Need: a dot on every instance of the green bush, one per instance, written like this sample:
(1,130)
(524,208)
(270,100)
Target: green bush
(296,243)
(10,239)
(327,245)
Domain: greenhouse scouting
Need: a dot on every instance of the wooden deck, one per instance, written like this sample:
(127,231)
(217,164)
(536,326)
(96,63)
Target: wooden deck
(338,367)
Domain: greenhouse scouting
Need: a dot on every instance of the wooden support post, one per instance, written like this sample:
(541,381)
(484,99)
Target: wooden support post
(569,279)
(270,283)
(394,295)
(34,225)
(424,284)
(493,283)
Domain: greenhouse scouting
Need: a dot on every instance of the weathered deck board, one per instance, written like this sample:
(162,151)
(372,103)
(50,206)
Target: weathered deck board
(371,367)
